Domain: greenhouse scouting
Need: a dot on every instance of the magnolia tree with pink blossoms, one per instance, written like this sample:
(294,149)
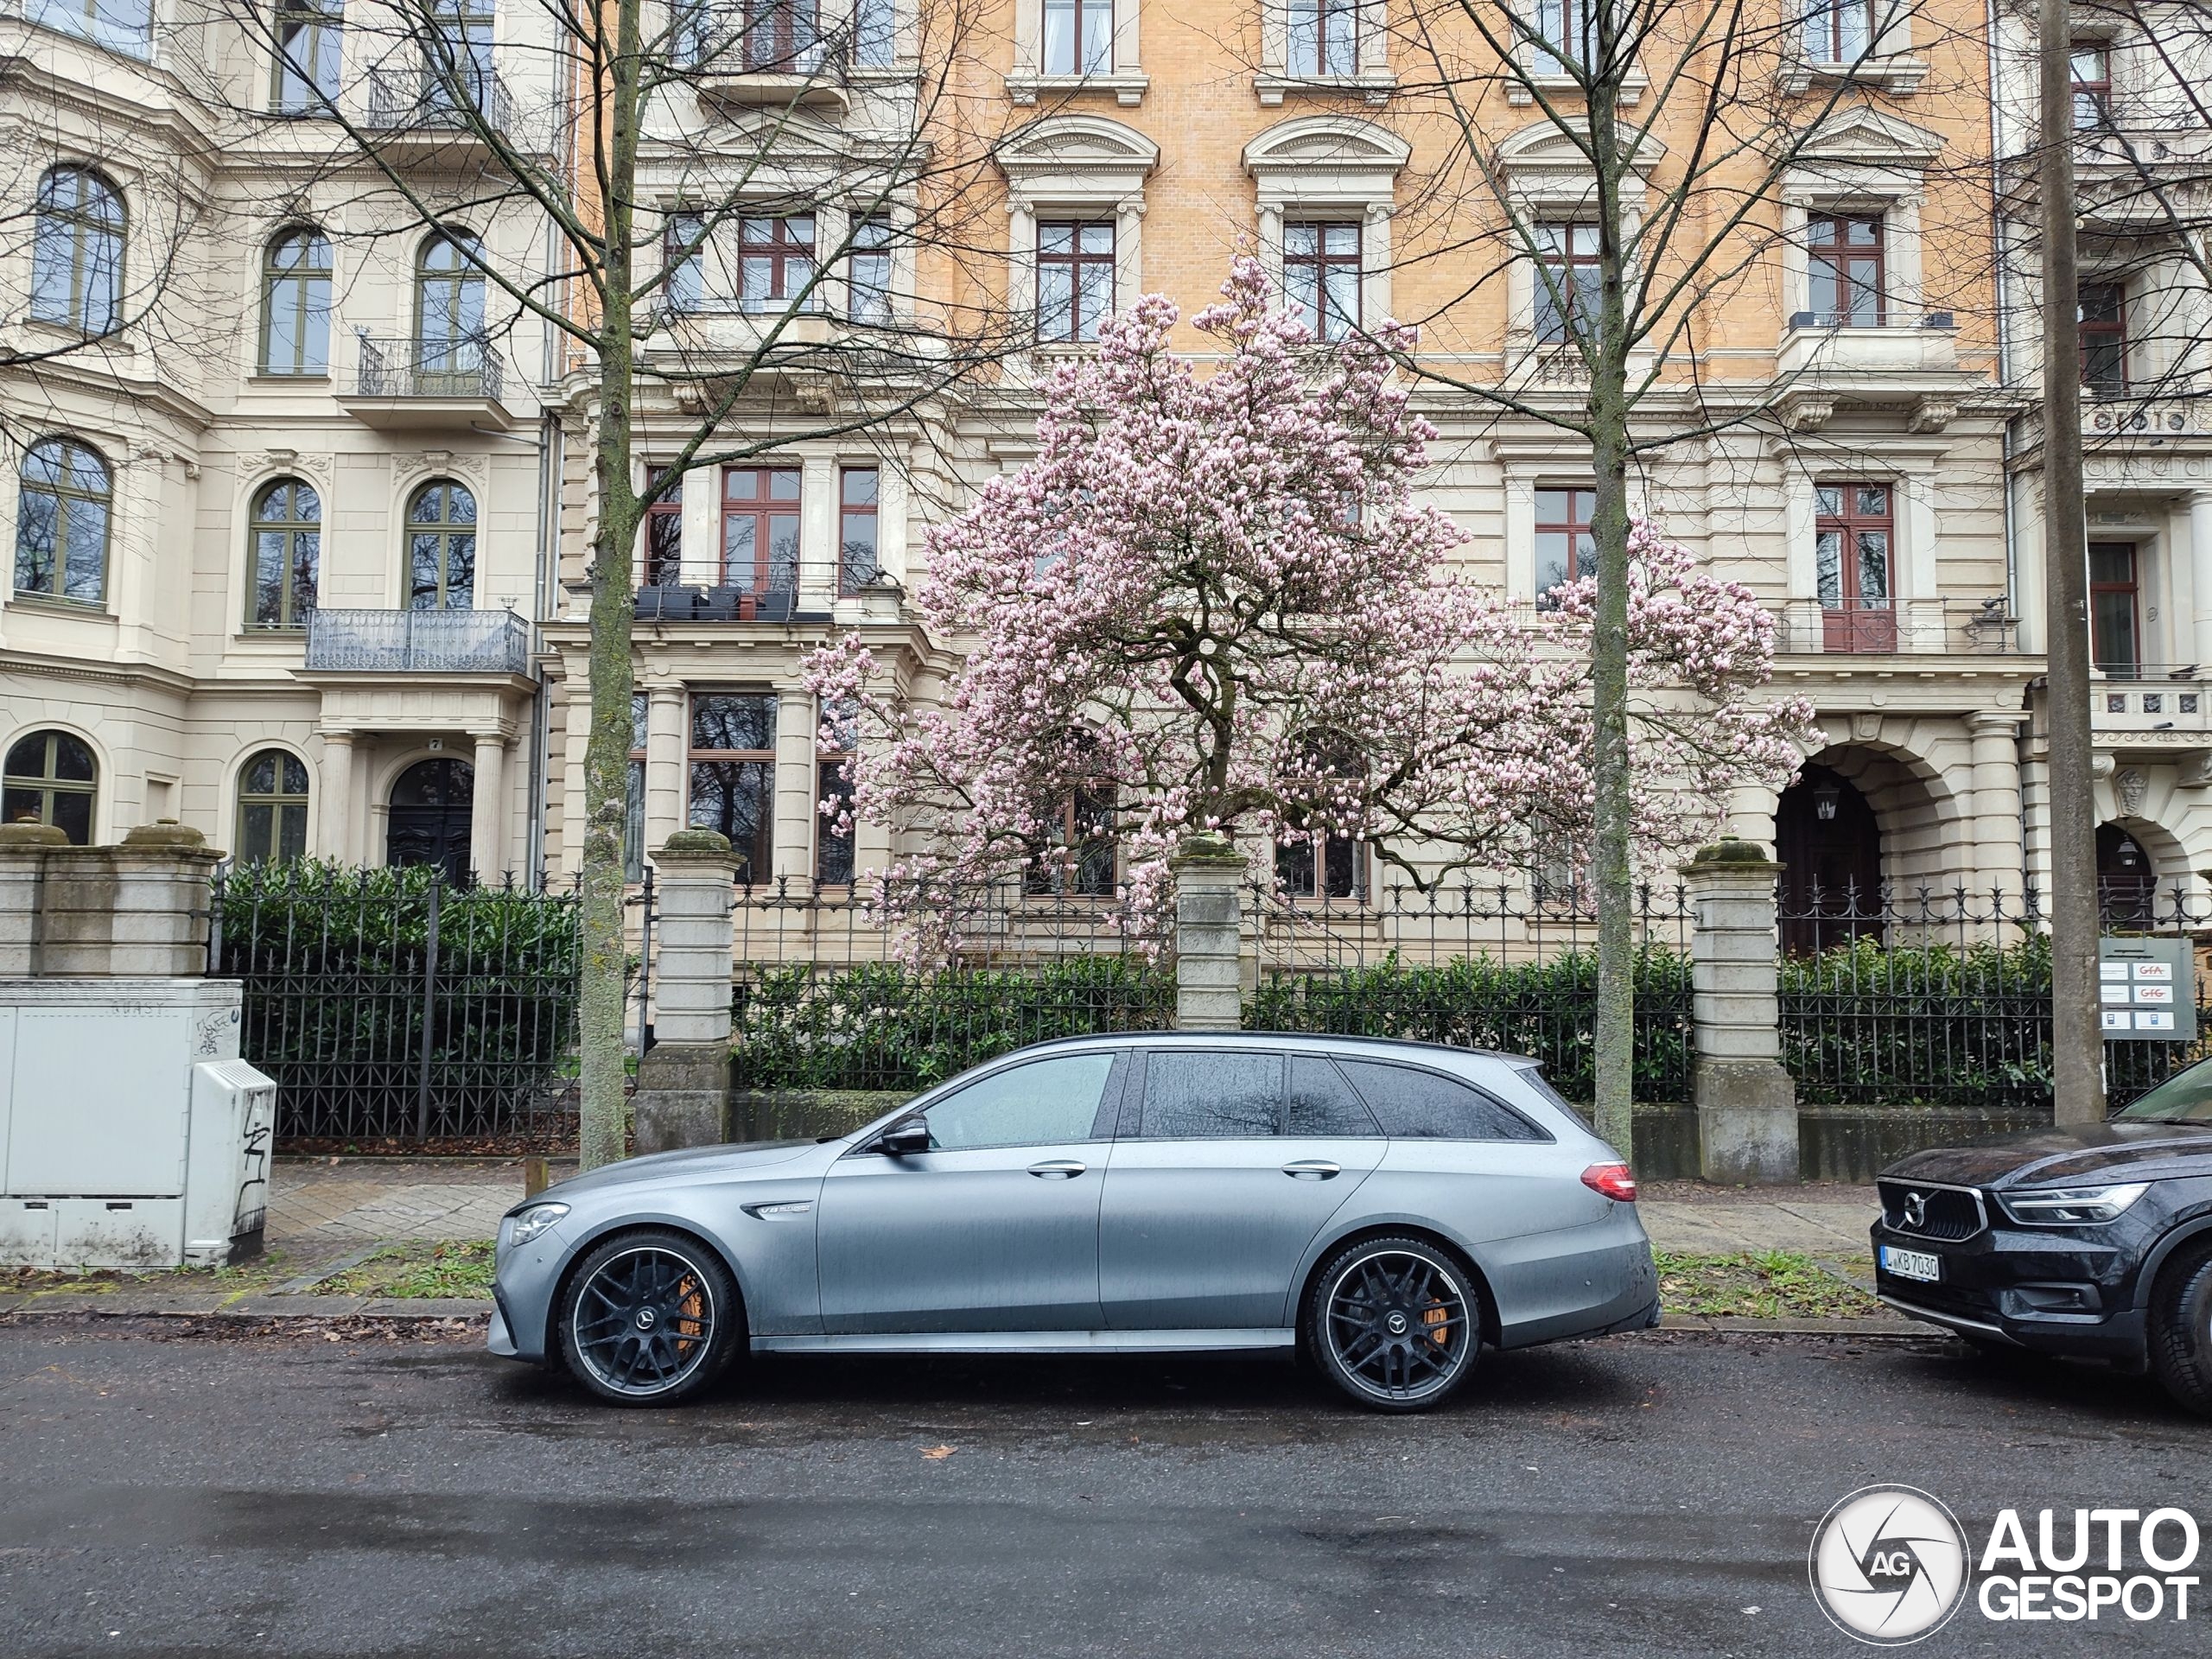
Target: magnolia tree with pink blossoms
(1211,603)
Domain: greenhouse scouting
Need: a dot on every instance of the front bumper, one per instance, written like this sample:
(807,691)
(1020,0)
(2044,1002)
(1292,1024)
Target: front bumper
(2052,1290)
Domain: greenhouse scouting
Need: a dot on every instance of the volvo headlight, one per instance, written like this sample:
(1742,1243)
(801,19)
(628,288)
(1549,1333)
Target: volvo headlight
(2074,1205)
(526,1224)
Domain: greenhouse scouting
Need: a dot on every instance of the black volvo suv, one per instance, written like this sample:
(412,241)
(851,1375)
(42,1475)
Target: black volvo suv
(2095,1241)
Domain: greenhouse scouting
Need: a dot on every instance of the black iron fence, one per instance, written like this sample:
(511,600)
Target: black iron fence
(390,1004)
(1942,997)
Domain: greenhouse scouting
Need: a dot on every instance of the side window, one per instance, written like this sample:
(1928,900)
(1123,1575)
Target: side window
(1322,1105)
(1042,1103)
(1219,1095)
(1414,1105)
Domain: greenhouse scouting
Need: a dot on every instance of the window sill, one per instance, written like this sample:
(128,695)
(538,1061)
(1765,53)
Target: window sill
(1898,76)
(1520,92)
(265,382)
(1374,85)
(51,328)
(90,610)
(1129,86)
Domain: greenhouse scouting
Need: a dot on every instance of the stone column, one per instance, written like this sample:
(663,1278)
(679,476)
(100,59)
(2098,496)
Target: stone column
(1747,1104)
(487,810)
(139,910)
(1209,875)
(682,1098)
(1996,808)
(664,749)
(2200,561)
(796,731)
(334,819)
(23,848)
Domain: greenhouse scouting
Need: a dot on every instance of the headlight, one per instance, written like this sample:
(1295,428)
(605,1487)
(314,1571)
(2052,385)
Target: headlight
(2074,1205)
(526,1224)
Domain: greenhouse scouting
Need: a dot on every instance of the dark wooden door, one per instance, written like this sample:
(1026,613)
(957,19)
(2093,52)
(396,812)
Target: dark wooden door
(431,804)
(1831,850)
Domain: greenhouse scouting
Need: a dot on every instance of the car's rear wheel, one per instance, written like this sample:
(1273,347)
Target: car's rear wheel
(1395,1323)
(2181,1330)
(648,1319)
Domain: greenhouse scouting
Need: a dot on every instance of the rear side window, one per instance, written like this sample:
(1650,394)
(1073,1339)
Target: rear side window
(1413,1105)
(1322,1104)
(1218,1095)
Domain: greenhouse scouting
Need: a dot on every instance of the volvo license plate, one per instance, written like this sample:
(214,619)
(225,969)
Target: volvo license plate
(1912,1264)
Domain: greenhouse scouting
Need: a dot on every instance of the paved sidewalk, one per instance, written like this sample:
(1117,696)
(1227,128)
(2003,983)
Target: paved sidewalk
(1821,1219)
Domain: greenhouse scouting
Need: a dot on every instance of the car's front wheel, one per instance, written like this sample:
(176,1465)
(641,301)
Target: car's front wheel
(2181,1330)
(1395,1323)
(648,1318)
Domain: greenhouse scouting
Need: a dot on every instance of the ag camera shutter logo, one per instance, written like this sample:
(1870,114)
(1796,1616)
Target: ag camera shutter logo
(1889,1564)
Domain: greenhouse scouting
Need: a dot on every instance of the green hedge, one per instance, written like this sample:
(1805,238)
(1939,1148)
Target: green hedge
(1546,1010)
(882,1026)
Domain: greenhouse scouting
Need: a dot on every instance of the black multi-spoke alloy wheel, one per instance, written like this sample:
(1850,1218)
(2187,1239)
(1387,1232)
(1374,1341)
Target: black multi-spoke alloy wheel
(648,1319)
(1395,1323)
(2181,1329)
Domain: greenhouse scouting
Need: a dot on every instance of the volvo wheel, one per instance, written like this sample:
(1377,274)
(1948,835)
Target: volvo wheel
(1395,1323)
(648,1319)
(2181,1330)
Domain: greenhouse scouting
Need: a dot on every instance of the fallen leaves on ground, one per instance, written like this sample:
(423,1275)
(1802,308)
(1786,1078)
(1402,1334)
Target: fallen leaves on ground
(1758,1284)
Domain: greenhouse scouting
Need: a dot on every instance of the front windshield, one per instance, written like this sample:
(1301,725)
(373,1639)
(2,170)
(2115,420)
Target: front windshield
(2186,1098)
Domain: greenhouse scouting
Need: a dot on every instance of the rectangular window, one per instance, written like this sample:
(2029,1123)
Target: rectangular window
(305,79)
(1075,278)
(1565,551)
(1564,32)
(1852,530)
(781,35)
(119,25)
(684,254)
(760,529)
(833,796)
(775,259)
(633,817)
(1326,867)
(2114,640)
(876,34)
(1320,276)
(1324,37)
(2091,68)
(2104,337)
(1567,286)
(1844,259)
(733,758)
(1077,860)
(664,536)
(1078,38)
(1838,31)
(867,271)
(856,514)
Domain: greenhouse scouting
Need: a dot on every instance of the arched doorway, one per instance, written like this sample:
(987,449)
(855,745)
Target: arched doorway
(2127,880)
(1830,846)
(431,803)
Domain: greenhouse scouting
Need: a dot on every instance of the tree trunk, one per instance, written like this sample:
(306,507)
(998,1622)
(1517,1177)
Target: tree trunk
(1615,1036)
(602,1107)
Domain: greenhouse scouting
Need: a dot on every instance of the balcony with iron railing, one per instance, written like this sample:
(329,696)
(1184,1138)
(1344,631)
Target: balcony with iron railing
(406,384)
(440,108)
(855,587)
(769,57)
(1887,627)
(418,642)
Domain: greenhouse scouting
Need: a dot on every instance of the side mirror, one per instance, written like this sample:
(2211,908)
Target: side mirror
(903,1139)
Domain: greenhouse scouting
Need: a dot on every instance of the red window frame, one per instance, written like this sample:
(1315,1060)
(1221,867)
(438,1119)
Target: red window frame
(1852,266)
(778,31)
(773,241)
(1571,512)
(2106,594)
(1835,47)
(1074,261)
(1558,248)
(2104,337)
(662,536)
(1313,264)
(1853,621)
(755,492)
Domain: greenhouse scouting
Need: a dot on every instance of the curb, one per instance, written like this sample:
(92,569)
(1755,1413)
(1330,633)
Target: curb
(246,1309)
(1734,1325)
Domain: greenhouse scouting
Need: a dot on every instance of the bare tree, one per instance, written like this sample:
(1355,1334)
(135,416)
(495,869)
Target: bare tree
(645,142)
(1631,156)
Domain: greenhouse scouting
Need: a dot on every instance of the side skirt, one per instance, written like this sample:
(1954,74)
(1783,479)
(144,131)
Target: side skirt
(1031,1342)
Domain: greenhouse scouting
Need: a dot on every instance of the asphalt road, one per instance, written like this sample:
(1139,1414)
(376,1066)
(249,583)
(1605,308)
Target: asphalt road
(1652,1494)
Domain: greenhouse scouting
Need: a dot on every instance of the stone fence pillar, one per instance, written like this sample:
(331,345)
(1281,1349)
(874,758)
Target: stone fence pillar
(1209,876)
(136,911)
(1747,1104)
(682,1098)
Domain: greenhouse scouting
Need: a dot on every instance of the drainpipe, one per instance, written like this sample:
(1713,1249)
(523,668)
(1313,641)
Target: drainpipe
(549,544)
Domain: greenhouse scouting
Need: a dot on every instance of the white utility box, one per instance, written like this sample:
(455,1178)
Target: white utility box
(132,1134)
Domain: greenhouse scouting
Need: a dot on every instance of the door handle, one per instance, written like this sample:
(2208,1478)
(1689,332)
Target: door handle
(1311,1169)
(1057,1169)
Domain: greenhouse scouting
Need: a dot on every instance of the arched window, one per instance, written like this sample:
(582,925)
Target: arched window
(441,548)
(77,256)
(287,535)
(272,808)
(449,311)
(296,304)
(51,777)
(62,522)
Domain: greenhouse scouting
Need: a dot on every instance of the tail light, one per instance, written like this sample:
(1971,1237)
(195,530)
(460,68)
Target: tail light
(1615,1181)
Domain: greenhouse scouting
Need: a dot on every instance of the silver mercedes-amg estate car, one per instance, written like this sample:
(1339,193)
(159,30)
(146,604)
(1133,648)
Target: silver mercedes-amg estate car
(1389,1208)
